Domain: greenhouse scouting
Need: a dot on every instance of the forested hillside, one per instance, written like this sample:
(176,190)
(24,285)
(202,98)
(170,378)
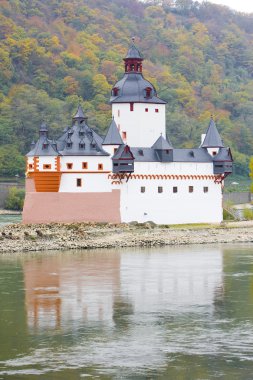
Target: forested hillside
(55,52)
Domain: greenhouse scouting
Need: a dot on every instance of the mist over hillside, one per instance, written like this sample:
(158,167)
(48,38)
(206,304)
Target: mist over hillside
(55,53)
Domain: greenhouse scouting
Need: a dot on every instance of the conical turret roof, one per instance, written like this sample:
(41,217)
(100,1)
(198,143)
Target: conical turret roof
(162,144)
(133,53)
(79,114)
(212,139)
(113,136)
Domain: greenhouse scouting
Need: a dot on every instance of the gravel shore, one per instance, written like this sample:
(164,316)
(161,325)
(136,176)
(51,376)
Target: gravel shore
(24,238)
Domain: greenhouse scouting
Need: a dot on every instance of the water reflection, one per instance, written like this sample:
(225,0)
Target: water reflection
(150,313)
(66,292)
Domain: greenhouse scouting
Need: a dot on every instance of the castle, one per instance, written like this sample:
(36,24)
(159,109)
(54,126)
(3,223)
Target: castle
(133,173)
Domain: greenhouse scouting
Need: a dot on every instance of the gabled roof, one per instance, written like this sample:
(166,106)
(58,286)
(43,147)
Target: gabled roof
(113,136)
(212,138)
(123,153)
(133,52)
(162,144)
(223,155)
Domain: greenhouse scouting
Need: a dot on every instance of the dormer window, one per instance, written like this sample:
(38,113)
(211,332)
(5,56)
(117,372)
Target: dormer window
(140,151)
(148,92)
(69,145)
(81,145)
(45,146)
(115,91)
(81,133)
(93,146)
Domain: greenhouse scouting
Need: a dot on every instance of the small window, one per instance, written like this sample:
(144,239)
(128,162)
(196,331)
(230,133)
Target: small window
(131,106)
(140,151)
(115,150)
(124,135)
(156,110)
(115,91)
(143,189)
(214,153)
(79,182)
(160,189)
(81,146)
(146,109)
(30,166)
(45,146)
(46,166)
(175,189)
(81,133)
(148,92)
(85,165)
(190,189)
(69,144)
(100,166)
(69,166)
(205,189)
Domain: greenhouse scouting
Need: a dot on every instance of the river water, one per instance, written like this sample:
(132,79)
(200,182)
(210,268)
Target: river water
(160,313)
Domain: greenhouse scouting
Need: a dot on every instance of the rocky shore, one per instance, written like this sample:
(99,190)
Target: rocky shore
(24,238)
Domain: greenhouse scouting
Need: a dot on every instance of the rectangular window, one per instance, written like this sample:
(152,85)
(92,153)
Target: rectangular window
(85,165)
(143,189)
(190,189)
(69,166)
(131,106)
(124,135)
(174,189)
(146,109)
(46,166)
(214,153)
(157,110)
(160,189)
(100,166)
(30,166)
(205,189)
(79,182)
(115,150)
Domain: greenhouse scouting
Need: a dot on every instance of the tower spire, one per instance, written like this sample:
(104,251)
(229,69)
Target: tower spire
(133,59)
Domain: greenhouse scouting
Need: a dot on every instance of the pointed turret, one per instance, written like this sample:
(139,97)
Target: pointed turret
(212,138)
(162,144)
(79,116)
(133,60)
(113,136)
(43,131)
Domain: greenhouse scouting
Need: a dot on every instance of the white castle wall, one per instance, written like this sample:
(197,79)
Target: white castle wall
(91,182)
(168,207)
(92,161)
(186,168)
(142,128)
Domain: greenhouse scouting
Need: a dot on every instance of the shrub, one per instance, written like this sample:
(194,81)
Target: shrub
(248,214)
(15,199)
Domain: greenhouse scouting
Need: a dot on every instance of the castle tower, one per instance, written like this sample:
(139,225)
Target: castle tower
(137,110)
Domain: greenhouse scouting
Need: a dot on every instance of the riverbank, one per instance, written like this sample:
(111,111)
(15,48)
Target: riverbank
(24,238)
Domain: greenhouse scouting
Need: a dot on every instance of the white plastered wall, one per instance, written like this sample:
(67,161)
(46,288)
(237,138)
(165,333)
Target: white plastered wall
(142,128)
(92,162)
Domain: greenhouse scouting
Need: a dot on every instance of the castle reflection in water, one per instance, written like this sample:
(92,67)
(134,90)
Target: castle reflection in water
(68,291)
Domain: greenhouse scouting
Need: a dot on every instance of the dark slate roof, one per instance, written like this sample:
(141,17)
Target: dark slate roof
(132,89)
(39,150)
(79,114)
(43,127)
(179,155)
(133,52)
(113,136)
(212,139)
(124,152)
(223,155)
(162,144)
(81,133)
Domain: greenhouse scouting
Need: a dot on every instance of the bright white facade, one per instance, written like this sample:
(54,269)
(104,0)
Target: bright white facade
(134,173)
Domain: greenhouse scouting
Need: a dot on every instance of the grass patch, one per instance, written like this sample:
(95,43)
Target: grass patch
(248,214)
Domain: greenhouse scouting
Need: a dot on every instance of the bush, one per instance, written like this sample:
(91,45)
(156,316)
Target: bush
(248,214)
(15,199)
